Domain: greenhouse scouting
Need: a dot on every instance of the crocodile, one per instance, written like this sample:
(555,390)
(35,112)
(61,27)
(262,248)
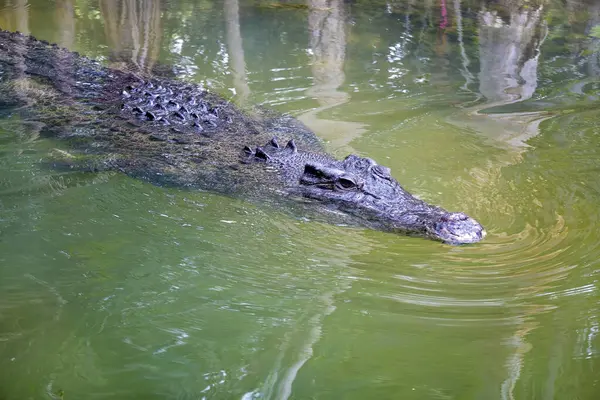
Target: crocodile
(170,132)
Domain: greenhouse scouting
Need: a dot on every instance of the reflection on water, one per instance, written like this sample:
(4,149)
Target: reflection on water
(15,16)
(112,288)
(65,18)
(509,52)
(133,30)
(327,24)
(236,50)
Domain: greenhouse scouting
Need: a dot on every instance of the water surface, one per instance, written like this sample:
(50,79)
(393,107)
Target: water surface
(112,288)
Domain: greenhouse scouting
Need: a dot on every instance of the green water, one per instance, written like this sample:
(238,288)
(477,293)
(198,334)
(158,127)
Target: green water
(111,288)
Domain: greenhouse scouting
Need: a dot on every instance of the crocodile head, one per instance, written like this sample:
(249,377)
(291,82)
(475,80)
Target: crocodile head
(361,188)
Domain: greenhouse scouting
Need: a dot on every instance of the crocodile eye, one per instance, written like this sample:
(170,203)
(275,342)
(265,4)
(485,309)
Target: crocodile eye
(346,183)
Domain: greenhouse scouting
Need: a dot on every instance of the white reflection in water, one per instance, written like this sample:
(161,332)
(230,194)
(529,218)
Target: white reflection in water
(176,45)
(589,335)
(180,337)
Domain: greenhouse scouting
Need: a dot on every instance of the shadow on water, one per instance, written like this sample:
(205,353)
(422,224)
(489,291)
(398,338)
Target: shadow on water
(112,288)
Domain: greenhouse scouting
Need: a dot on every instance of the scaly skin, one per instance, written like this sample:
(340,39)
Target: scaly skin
(171,132)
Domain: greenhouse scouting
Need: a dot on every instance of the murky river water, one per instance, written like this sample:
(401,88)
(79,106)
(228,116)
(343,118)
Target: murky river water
(116,289)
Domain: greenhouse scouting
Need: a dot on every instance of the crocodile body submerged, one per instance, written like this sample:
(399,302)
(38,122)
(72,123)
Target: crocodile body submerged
(175,133)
